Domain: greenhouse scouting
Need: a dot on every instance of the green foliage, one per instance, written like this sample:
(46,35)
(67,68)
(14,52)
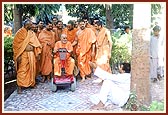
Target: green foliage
(80,10)
(156,9)
(28,10)
(8,13)
(120,51)
(46,11)
(122,14)
(156,106)
(143,108)
(8,51)
(132,103)
(8,44)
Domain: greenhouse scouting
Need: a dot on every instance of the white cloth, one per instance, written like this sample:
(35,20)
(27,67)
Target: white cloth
(115,87)
(157,51)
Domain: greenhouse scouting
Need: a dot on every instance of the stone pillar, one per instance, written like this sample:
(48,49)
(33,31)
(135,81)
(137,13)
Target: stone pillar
(140,62)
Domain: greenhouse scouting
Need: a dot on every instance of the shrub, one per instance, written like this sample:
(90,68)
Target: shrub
(156,106)
(133,104)
(120,51)
(8,51)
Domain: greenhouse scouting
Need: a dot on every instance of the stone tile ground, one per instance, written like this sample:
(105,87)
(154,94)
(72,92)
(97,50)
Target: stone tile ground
(42,99)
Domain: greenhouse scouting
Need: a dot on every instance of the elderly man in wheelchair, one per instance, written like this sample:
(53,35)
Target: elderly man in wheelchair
(63,64)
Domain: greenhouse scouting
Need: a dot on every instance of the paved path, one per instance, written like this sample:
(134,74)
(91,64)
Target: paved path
(44,100)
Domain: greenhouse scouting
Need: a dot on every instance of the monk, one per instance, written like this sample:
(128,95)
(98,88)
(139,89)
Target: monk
(47,40)
(70,63)
(103,47)
(93,24)
(95,20)
(34,28)
(26,48)
(70,31)
(40,27)
(54,21)
(58,30)
(86,21)
(85,39)
(75,24)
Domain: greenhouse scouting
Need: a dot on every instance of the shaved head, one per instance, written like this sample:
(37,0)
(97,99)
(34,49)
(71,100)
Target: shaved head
(27,24)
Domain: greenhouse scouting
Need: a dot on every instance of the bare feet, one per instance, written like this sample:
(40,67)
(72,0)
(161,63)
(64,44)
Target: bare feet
(19,90)
(83,79)
(154,80)
(43,80)
(89,76)
(93,65)
(76,71)
(48,79)
(159,77)
(99,106)
(33,87)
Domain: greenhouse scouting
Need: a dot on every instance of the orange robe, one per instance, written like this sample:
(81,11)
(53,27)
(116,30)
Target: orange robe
(38,61)
(85,39)
(103,51)
(38,32)
(57,34)
(26,70)
(94,30)
(69,63)
(46,37)
(89,26)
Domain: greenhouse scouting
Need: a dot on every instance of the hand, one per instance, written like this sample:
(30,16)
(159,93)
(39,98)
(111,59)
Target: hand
(29,48)
(19,59)
(55,51)
(38,57)
(109,56)
(68,51)
(81,54)
(92,54)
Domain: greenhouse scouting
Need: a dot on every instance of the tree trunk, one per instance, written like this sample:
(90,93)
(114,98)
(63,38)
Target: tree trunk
(109,18)
(17,18)
(140,63)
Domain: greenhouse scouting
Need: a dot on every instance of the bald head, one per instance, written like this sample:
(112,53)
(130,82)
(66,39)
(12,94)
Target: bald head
(27,24)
